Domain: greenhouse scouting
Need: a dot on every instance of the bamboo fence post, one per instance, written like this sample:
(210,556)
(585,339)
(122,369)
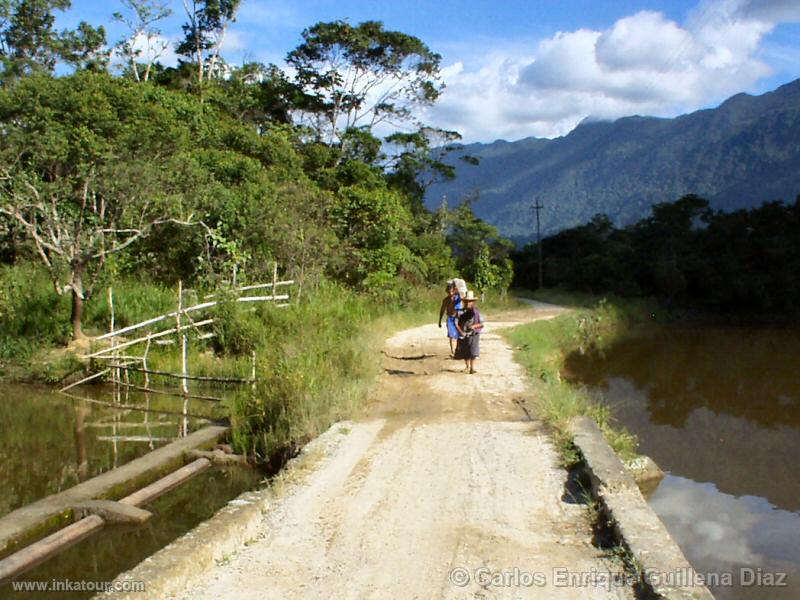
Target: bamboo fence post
(114,372)
(184,366)
(115,433)
(146,384)
(253,373)
(274,278)
(144,362)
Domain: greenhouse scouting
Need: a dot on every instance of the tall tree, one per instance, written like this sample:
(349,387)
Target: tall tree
(417,162)
(144,45)
(85,179)
(481,253)
(31,44)
(85,47)
(5,18)
(361,76)
(204,33)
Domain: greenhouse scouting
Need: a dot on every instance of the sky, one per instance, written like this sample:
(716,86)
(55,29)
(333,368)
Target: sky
(520,68)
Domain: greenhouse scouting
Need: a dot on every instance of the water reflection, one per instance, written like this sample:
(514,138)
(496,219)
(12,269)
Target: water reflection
(116,548)
(750,373)
(720,533)
(718,409)
(49,442)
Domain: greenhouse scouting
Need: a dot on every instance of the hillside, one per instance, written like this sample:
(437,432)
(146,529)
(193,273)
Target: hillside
(737,155)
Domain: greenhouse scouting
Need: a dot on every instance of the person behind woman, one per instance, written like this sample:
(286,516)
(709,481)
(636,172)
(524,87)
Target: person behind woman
(469,325)
(452,306)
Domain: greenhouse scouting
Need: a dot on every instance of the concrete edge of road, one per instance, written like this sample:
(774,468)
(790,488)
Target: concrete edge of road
(173,568)
(659,561)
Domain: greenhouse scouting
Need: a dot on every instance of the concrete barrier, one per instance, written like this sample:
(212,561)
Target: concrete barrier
(173,568)
(653,552)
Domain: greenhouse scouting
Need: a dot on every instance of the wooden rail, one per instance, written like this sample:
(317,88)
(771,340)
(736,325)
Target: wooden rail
(188,309)
(189,377)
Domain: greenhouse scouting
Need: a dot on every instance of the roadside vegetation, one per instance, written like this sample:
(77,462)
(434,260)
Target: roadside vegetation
(542,346)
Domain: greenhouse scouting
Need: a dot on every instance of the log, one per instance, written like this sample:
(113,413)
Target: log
(165,484)
(37,553)
(111,511)
(218,457)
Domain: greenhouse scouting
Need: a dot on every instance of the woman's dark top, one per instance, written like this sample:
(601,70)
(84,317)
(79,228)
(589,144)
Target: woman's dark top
(468,347)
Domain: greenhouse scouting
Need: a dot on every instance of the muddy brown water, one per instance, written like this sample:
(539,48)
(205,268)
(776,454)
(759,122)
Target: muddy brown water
(719,410)
(49,442)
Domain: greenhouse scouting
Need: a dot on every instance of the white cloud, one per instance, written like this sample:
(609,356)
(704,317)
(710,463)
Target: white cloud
(643,64)
(235,41)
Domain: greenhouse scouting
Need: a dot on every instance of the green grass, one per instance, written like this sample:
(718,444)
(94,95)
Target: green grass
(541,348)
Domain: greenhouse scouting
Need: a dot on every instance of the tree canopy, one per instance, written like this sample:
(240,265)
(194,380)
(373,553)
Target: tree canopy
(99,170)
(685,254)
(362,76)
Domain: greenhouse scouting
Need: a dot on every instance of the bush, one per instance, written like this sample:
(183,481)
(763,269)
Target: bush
(238,330)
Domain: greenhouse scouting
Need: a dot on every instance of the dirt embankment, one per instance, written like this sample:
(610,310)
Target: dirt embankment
(444,489)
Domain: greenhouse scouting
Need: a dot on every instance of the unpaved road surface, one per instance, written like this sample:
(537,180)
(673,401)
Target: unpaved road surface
(444,489)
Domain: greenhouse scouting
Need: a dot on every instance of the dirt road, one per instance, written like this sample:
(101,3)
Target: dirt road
(445,489)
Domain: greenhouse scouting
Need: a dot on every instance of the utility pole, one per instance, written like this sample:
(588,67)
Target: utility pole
(537,206)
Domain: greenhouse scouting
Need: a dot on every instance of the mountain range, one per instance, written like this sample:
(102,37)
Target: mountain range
(738,155)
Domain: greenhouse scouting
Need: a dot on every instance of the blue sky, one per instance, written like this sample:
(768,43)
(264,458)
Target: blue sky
(519,68)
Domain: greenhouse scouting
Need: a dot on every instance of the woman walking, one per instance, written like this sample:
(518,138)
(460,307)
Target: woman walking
(469,325)
(451,306)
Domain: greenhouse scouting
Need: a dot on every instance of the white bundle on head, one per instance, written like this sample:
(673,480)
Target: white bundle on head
(461,286)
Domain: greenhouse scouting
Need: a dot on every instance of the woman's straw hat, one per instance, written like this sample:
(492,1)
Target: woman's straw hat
(469,296)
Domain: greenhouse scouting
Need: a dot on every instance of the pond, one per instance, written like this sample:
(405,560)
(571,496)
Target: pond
(719,410)
(50,442)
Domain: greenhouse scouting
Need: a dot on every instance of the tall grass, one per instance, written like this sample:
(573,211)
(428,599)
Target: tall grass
(34,320)
(316,362)
(30,312)
(542,347)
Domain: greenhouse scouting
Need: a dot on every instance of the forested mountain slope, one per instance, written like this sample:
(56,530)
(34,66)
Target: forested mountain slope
(738,155)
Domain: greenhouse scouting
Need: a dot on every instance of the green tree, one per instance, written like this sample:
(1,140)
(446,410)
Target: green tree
(143,45)
(257,94)
(31,44)
(417,161)
(204,32)
(488,275)
(84,48)
(90,164)
(482,254)
(360,76)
